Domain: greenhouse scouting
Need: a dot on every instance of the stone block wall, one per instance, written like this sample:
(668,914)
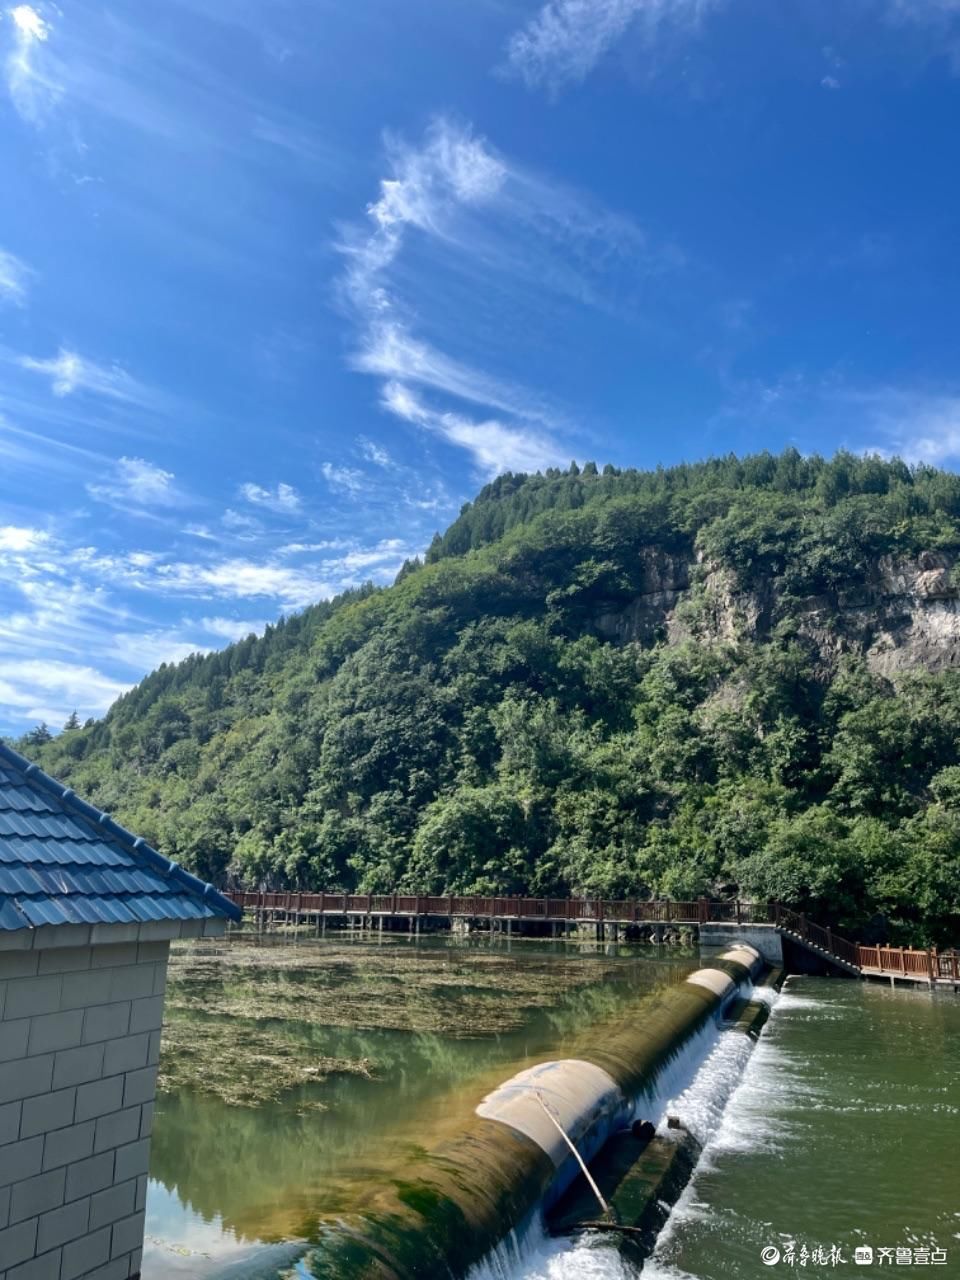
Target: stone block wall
(79,1046)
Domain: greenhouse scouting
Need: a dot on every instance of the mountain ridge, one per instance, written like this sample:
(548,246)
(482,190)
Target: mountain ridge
(731,676)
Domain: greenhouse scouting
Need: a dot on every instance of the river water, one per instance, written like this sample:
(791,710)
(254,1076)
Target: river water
(441,1023)
(840,1129)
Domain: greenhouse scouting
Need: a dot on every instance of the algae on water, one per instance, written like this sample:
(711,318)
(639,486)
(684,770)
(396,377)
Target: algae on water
(247,1022)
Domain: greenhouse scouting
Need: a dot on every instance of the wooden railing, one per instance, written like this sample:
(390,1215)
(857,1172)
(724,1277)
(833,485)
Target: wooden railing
(931,964)
(824,938)
(628,911)
(907,962)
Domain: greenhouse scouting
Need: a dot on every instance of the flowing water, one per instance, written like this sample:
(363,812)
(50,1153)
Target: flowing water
(844,1133)
(840,1129)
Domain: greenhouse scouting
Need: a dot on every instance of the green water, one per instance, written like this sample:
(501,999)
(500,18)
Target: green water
(844,1132)
(227,1180)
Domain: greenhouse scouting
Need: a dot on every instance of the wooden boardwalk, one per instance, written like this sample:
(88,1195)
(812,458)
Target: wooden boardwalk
(608,919)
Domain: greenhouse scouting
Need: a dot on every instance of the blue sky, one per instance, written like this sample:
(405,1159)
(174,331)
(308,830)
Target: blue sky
(282,284)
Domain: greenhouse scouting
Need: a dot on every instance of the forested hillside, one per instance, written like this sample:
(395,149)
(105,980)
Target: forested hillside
(736,676)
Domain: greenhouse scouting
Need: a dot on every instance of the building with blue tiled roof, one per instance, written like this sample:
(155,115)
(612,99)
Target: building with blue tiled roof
(87,914)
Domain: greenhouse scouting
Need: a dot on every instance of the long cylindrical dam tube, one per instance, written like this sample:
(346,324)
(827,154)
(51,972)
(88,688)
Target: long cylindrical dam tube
(460,1199)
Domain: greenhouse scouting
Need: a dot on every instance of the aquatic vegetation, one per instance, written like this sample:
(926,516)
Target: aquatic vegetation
(460,993)
(242,1063)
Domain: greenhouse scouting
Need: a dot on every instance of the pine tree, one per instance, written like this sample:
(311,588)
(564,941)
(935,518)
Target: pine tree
(37,737)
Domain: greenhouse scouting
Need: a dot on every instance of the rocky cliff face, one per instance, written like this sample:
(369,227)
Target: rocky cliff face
(916,616)
(903,615)
(665,580)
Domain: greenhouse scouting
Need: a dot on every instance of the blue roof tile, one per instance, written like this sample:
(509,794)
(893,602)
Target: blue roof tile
(64,862)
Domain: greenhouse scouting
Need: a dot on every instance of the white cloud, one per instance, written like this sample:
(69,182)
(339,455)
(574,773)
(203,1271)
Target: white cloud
(33,689)
(284,498)
(493,445)
(239,579)
(918,426)
(346,479)
(567,38)
(497,238)
(29,23)
(146,650)
(375,453)
(391,352)
(14,276)
(429,186)
(59,604)
(234,628)
(453,167)
(380,563)
(426,185)
(69,372)
(18,538)
(247,526)
(32,89)
(363,557)
(137,482)
(496,447)
(306,548)
(924,10)
(830,82)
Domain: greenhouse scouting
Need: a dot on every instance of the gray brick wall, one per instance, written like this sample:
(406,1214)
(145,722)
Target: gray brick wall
(79,1043)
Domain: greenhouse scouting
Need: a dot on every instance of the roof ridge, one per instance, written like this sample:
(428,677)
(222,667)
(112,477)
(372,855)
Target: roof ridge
(136,845)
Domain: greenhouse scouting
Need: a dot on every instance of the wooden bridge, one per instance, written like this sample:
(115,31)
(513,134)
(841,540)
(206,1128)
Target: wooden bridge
(608,919)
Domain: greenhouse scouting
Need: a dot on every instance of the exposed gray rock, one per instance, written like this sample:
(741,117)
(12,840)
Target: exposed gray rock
(664,580)
(903,615)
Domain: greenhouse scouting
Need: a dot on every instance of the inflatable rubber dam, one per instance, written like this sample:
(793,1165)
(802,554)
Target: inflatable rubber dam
(512,1160)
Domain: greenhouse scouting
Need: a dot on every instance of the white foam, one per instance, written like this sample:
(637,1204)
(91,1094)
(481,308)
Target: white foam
(533,1255)
(712,1067)
(756,1117)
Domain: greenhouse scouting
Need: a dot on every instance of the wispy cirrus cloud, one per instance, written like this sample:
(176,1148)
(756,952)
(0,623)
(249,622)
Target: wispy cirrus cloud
(14,278)
(234,629)
(65,600)
(493,446)
(45,689)
(391,351)
(136,482)
(567,38)
(918,425)
(20,538)
(32,89)
(70,373)
(375,453)
(494,230)
(283,498)
(923,10)
(346,479)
